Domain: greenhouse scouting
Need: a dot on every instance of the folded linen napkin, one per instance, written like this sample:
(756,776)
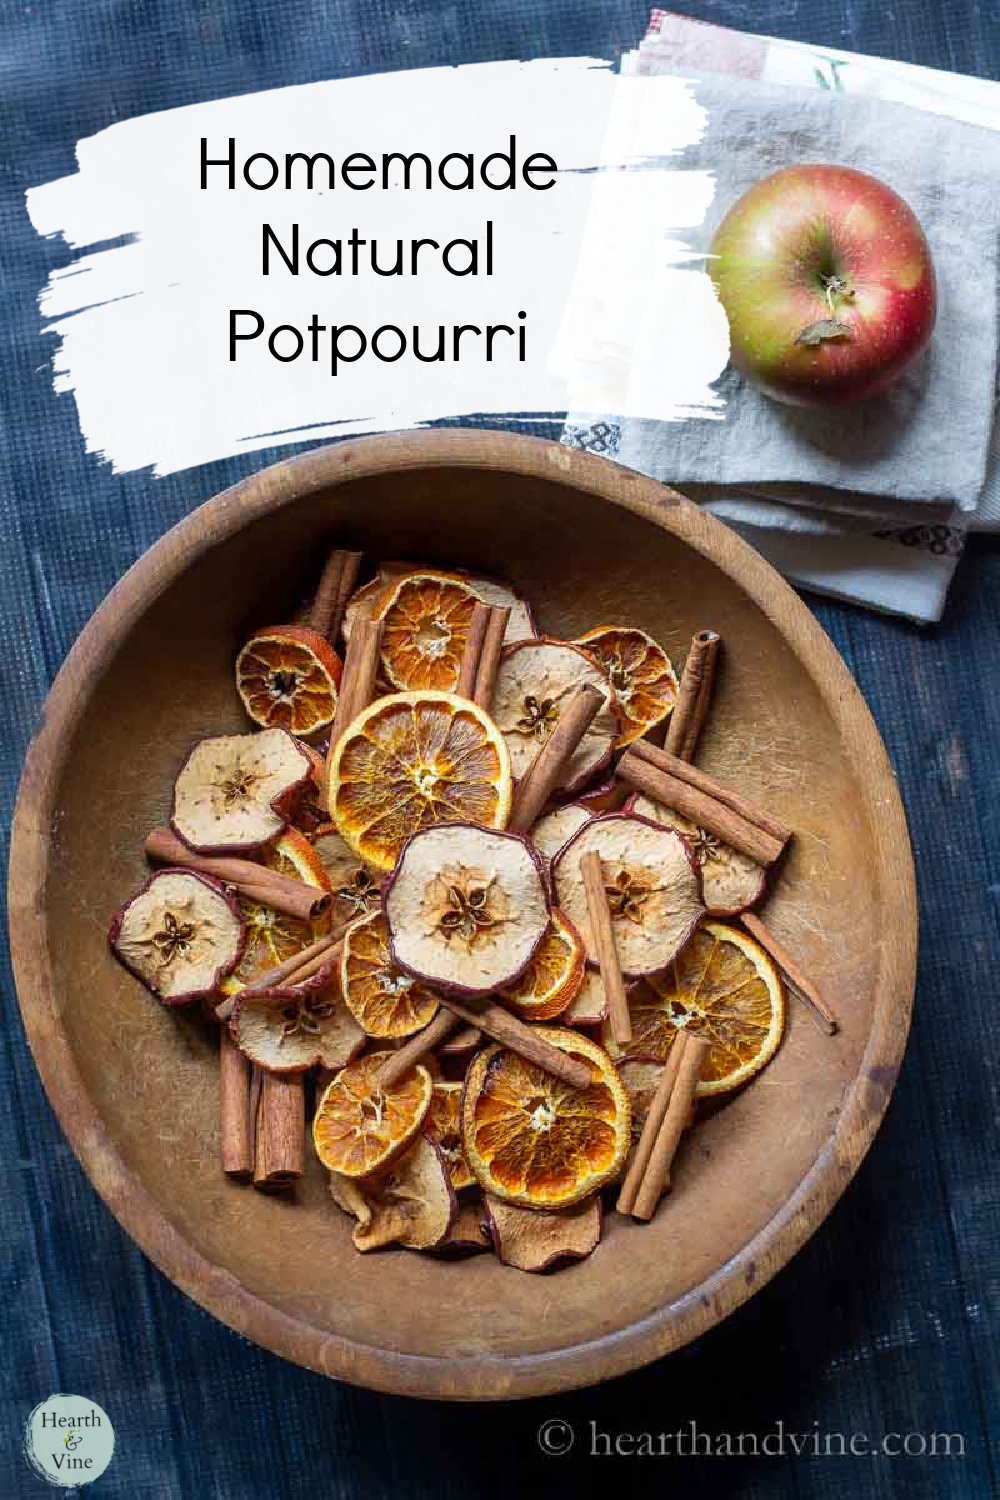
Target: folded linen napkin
(894,544)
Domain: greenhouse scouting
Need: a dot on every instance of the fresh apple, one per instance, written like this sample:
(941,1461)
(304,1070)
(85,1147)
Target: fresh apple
(827,281)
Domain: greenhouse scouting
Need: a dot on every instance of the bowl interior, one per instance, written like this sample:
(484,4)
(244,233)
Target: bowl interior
(153,1074)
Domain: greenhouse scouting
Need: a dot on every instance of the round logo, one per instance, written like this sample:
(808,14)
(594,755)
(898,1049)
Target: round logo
(69,1440)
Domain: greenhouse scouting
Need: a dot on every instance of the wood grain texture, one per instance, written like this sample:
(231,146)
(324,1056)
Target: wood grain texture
(116,725)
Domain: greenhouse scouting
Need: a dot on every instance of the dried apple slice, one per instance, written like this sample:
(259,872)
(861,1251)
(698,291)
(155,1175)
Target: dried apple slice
(554,976)
(288,677)
(730,881)
(531,1239)
(356,887)
(291,1035)
(536,1141)
(589,1006)
(652,885)
(469,1234)
(460,1045)
(556,828)
(641,674)
(640,1075)
(535,682)
(230,789)
(359,1126)
(307,809)
(444,1126)
(180,935)
(466,908)
(383,1000)
(411,1203)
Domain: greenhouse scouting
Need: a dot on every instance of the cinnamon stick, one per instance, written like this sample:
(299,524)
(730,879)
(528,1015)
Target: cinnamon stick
(702,782)
(336,585)
(469,668)
(400,1063)
(253,881)
(281,1130)
(236,1124)
(674,1123)
(700,807)
(542,776)
(520,1038)
(301,966)
(357,683)
(607,952)
(489,659)
(693,695)
(786,962)
(651,1128)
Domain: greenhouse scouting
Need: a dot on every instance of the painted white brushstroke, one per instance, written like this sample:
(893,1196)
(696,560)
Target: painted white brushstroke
(622,321)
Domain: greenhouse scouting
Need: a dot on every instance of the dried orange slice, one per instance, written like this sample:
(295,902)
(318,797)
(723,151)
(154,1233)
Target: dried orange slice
(360,1126)
(641,674)
(294,854)
(533,1140)
(723,986)
(365,601)
(272,936)
(554,976)
(444,1125)
(426,618)
(381,998)
(412,760)
(287,677)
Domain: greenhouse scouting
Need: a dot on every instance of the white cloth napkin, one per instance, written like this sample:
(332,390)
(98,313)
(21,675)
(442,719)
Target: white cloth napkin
(891,553)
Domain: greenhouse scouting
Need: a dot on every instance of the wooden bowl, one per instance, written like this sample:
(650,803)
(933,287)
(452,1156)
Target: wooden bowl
(135,1086)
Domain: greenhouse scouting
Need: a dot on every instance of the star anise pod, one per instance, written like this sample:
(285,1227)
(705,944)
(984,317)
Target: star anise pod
(361,892)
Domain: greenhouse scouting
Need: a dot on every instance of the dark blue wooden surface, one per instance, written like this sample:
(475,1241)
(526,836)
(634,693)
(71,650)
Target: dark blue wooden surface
(887,1322)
